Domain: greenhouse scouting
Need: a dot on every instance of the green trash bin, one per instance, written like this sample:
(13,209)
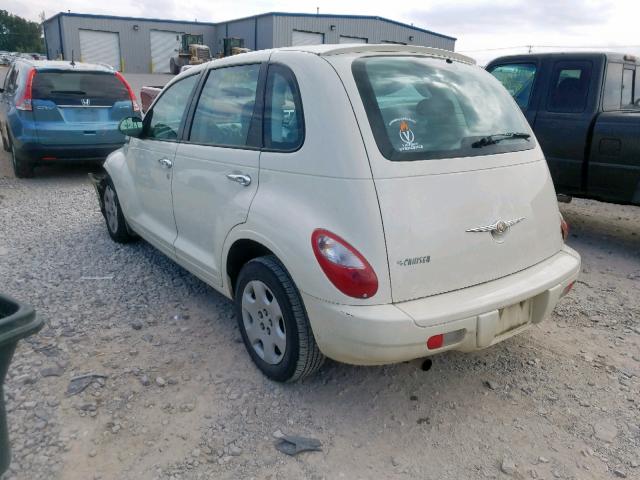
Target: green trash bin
(16,321)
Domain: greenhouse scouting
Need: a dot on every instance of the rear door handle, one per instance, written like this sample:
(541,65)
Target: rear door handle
(244,180)
(165,162)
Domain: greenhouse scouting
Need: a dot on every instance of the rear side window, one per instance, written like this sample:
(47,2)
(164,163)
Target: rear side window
(72,87)
(164,120)
(627,87)
(613,87)
(518,79)
(424,108)
(569,87)
(226,106)
(636,90)
(283,120)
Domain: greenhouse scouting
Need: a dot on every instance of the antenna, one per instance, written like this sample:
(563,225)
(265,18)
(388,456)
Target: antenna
(317,10)
(73,62)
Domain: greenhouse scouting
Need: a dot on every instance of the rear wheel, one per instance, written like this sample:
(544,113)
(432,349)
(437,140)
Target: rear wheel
(22,168)
(116,223)
(274,323)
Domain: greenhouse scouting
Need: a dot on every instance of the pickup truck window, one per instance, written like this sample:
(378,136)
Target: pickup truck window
(425,108)
(518,79)
(569,87)
(611,100)
(627,87)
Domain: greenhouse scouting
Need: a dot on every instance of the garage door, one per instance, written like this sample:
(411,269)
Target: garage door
(164,45)
(306,38)
(100,47)
(344,39)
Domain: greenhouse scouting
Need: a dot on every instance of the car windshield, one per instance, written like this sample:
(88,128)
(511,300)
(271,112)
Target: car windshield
(425,108)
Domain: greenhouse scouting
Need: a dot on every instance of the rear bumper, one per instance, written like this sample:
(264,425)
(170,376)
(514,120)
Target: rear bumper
(468,318)
(37,152)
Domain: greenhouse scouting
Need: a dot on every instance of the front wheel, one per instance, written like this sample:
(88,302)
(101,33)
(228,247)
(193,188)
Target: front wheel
(116,223)
(273,322)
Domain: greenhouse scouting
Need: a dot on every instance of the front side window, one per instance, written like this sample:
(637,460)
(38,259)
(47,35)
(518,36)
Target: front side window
(283,121)
(518,79)
(225,109)
(569,88)
(424,108)
(163,121)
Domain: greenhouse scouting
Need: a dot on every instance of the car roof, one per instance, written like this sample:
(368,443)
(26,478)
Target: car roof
(60,65)
(611,56)
(356,48)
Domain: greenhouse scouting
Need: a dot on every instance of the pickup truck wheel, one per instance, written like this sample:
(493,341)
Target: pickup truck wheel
(116,223)
(22,168)
(274,323)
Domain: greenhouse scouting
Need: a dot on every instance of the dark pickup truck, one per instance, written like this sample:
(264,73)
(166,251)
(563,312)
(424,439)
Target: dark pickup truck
(585,111)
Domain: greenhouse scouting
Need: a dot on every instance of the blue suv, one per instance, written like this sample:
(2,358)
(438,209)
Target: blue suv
(53,110)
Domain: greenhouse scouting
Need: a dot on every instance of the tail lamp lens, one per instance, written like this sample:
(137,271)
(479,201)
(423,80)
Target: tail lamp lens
(24,102)
(132,95)
(343,265)
(564,228)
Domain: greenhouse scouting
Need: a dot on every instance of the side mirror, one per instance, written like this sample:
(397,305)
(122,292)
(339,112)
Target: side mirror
(131,126)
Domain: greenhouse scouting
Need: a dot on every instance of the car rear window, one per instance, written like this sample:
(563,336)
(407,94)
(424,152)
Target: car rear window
(424,108)
(72,87)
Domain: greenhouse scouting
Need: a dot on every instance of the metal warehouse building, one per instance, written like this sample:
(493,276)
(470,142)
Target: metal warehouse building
(145,45)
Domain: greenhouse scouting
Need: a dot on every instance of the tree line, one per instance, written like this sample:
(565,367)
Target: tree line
(19,35)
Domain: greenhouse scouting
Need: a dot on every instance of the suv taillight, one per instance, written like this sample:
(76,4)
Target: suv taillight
(24,102)
(343,265)
(132,96)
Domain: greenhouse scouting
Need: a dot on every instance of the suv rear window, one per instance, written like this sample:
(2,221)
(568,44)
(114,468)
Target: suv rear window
(71,87)
(424,108)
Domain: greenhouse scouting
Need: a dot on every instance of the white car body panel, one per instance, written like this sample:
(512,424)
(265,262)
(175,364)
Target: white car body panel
(389,211)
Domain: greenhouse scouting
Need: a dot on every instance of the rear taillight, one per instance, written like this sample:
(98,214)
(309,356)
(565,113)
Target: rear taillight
(343,265)
(25,101)
(132,96)
(564,228)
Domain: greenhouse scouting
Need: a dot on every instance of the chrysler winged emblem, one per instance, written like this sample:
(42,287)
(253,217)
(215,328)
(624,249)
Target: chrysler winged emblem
(498,228)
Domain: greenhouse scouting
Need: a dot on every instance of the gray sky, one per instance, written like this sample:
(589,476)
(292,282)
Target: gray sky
(479,25)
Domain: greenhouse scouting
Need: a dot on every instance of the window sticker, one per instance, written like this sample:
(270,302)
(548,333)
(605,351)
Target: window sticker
(407,137)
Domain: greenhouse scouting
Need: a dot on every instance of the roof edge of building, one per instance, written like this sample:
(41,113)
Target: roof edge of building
(275,14)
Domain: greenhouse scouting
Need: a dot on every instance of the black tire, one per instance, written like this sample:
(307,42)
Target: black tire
(22,168)
(117,226)
(302,357)
(174,67)
(5,142)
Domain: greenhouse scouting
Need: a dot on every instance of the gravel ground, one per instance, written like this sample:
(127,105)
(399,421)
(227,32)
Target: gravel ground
(178,397)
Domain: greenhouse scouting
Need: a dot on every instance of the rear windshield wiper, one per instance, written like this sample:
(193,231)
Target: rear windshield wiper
(498,137)
(69,92)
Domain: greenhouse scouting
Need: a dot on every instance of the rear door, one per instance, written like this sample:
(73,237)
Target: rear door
(150,160)
(564,121)
(457,210)
(216,170)
(79,107)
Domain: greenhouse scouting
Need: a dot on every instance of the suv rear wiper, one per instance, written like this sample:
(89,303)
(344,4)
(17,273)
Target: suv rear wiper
(69,92)
(498,137)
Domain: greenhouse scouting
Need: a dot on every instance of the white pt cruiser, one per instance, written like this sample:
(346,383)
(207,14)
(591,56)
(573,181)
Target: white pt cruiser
(371,204)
